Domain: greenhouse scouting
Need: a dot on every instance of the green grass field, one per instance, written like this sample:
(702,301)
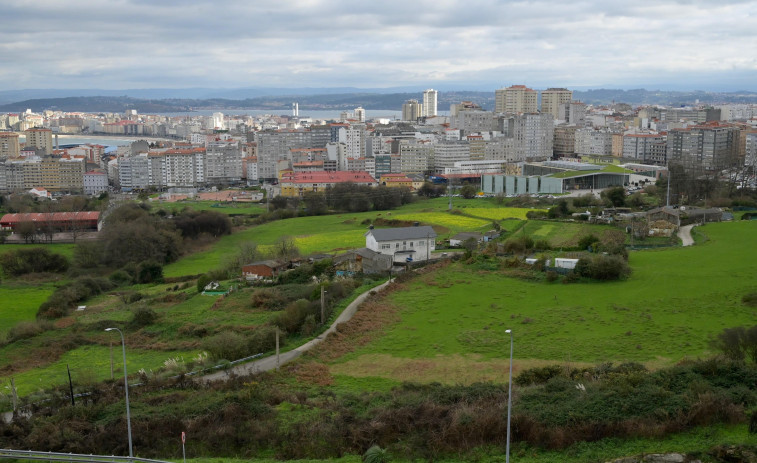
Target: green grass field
(334,233)
(90,364)
(215,206)
(19,302)
(675,302)
(66,249)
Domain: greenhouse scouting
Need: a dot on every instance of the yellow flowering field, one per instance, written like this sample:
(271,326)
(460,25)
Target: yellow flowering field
(497,213)
(454,222)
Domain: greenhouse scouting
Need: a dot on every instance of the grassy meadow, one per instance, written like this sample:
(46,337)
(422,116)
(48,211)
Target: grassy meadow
(334,233)
(229,208)
(451,323)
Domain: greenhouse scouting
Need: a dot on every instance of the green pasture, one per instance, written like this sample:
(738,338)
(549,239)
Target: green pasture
(66,249)
(19,301)
(562,234)
(334,233)
(89,364)
(229,208)
(675,302)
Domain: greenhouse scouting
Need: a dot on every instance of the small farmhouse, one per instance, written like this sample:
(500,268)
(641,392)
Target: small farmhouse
(264,269)
(362,260)
(403,244)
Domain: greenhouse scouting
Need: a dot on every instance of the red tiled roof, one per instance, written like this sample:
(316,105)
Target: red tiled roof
(49,216)
(327,177)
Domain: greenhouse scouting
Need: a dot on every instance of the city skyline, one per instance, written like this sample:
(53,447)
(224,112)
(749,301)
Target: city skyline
(487,44)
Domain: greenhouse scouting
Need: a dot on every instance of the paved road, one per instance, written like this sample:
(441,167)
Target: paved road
(269,363)
(685,234)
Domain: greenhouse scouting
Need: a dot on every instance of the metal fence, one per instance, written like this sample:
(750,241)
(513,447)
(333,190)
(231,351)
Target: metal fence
(70,457)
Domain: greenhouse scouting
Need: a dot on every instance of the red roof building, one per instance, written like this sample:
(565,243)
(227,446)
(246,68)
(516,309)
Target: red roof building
(297,183)
(58,221)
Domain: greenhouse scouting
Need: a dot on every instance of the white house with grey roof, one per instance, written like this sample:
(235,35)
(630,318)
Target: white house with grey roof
(404,244)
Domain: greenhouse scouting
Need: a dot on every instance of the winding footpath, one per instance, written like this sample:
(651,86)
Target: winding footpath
(685,234)
(270,363)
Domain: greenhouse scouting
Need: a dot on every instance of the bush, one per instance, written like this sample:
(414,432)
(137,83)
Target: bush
(149,271)
(587,240)
(64,298)
(226,346)
(26,329)
(601,267)
(263,339)
(142,316)
(540,375)
(33,260)
(121,278)
(202,282)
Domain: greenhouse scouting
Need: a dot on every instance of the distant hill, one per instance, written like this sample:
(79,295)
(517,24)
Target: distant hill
(348,100)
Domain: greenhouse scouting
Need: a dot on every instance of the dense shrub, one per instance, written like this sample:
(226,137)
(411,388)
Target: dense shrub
(64,298)
(738,343)
(263,339)
(28,329)
(538,375)
(536,214)
(294,315)
(32,260)
(192,224)
(142,316)
(121,278)
(518,245)
(149,271)
(602,267)
(226,346)
(587,240)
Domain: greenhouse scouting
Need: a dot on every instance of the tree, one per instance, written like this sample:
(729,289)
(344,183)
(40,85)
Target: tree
(285,248)
(27,231)
(616,196)
(468,191)
(315,203)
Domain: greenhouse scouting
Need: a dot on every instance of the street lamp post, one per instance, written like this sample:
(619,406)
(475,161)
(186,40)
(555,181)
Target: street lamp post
(126,388)
(509,397)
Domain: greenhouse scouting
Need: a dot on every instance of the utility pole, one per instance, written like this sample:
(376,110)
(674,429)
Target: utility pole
(323,305)
(277,348)
(668,199)
(15,395)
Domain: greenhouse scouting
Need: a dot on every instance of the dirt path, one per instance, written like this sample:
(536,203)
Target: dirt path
(685,234)
(270,363)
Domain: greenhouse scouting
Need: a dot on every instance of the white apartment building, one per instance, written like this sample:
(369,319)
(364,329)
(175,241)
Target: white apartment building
(446,154)
(553,98)
(416,157)
(591,141)
(515,99)
(95,182)
(534,136)
(429,102)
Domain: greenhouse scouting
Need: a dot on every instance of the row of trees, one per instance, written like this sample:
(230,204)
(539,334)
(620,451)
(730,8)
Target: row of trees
(346,197)
(131,234)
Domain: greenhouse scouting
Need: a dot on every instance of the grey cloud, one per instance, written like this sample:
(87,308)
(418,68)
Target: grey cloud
(324,43)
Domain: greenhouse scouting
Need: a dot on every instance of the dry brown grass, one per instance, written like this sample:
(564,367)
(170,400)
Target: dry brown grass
(367,324)
(445,369)
(312,373)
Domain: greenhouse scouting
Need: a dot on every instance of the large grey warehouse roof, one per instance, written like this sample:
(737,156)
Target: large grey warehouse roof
(410,233)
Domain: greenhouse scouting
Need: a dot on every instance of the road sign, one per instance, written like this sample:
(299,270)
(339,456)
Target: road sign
(183,437)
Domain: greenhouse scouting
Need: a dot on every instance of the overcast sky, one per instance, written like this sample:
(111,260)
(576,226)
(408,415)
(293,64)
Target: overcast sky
(472,44)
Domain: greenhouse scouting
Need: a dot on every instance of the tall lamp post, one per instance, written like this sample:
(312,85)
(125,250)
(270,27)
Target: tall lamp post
(126,388)
(509,397)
